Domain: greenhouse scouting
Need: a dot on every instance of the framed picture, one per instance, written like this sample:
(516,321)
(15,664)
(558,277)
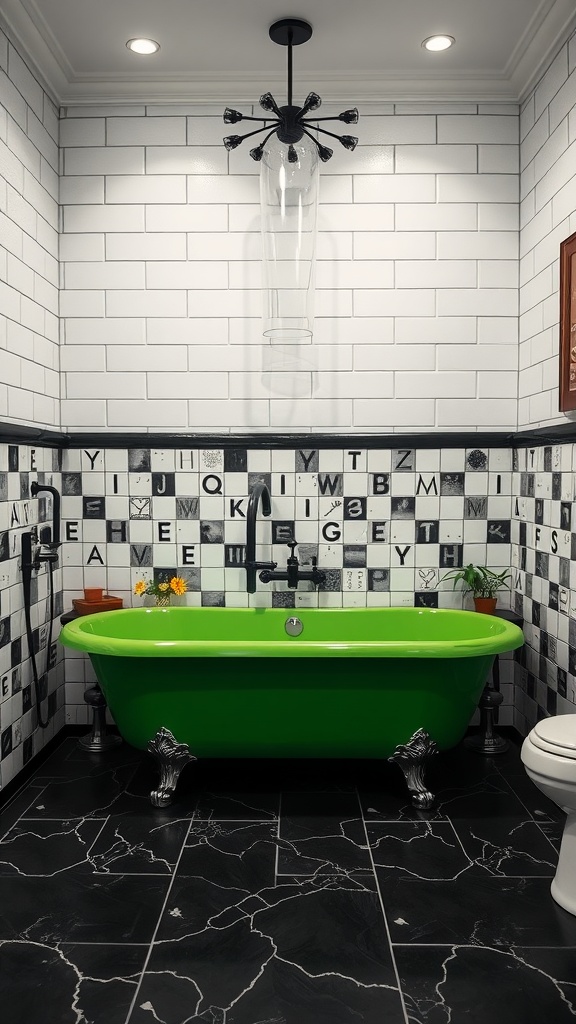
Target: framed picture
(568,324)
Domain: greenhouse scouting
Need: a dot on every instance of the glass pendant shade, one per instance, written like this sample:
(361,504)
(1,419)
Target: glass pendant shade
(289,212)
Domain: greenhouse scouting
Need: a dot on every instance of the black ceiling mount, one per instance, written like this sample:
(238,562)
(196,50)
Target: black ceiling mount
(290,122)
(290,32)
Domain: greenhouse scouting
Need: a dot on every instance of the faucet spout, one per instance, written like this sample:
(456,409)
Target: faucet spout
(259,494)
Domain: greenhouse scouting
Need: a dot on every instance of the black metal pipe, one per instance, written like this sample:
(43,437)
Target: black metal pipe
(259,494)
(290,38)
(27,567)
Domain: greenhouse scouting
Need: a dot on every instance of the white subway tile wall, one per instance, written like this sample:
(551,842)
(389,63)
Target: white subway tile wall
(417,290)
(548,205)
(29,387)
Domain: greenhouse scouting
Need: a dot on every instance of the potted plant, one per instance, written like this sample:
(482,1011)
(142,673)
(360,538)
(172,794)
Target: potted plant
(482,583)
(161,589)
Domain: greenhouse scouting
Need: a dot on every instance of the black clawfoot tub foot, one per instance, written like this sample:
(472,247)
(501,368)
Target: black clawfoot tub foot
(171,757)
(412,758)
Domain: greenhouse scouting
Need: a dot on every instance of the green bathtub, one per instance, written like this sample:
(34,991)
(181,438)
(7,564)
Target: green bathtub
(227,682)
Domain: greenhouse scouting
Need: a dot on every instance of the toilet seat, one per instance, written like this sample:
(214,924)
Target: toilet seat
(556,735)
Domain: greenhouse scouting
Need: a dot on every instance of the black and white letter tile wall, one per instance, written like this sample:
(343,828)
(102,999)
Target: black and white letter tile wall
(544,567)
(384,524)
(20,735)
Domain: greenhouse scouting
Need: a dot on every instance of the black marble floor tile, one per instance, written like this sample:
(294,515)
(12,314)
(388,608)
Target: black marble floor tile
(222,865)
(306,802)
(417,849)
(465,984)
(323,844)
(280,994)
(507,846)
(47,848)
(319,954)
(553,830)
(138,844)
(538,805)
(486,795)
(71,760)
(78,907)
(18,804)
(475,909)
(93,795)
(257,886)
(237,805)
(68,983)
(363,881)
(489,797)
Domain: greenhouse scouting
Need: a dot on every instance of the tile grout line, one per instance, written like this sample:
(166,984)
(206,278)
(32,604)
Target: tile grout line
(385,919)
(160,916)
(20,816)
(471,945)
(277,856)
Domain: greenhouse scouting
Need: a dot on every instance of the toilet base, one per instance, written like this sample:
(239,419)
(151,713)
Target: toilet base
(563,887)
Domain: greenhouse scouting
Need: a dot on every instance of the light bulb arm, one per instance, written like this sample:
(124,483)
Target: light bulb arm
(258,152)
(266,120)
(326,132)
(313,139)
(313,120)
(258,130)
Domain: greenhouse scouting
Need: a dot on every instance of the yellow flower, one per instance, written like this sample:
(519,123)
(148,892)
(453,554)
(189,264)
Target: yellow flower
(163,587)
(140,588)
(178,585)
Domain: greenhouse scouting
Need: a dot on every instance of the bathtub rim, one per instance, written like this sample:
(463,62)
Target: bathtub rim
(74,635)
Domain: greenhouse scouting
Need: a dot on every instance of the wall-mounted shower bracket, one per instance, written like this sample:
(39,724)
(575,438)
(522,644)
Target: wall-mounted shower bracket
(30,550)
(48,540)
(37,550)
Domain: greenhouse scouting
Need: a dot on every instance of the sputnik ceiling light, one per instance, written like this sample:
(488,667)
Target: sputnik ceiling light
(291,123)
(288,157)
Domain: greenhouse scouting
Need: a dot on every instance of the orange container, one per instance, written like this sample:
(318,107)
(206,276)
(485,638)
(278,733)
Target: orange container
(106,604)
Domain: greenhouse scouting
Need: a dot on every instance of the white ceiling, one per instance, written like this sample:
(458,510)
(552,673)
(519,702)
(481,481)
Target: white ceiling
(360,50)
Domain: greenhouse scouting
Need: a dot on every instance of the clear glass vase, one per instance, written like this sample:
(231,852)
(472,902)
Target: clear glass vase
(289,211)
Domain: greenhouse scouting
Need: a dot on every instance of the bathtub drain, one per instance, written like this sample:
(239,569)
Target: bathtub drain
(293,626)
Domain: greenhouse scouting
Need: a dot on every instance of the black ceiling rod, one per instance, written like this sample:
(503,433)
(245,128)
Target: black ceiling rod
(290,38)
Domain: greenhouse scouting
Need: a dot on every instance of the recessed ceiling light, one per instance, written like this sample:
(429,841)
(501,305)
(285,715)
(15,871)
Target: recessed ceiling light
(143,45)
(438,42)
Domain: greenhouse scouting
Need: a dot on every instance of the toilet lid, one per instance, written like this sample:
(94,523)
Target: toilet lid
(557,735)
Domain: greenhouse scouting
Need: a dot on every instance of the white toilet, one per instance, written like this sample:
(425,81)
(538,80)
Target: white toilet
(549,756)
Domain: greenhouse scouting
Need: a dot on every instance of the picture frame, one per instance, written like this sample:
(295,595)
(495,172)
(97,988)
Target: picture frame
(567,383)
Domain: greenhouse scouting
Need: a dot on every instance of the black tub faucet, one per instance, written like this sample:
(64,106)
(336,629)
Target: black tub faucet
(259,494)
(293,574)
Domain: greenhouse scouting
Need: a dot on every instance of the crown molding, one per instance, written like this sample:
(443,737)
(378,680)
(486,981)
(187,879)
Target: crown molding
(27,28)
(532,57)
(25,37)
(336,88)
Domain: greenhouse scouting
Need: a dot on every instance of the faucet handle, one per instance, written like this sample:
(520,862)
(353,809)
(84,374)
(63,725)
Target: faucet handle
(292,544)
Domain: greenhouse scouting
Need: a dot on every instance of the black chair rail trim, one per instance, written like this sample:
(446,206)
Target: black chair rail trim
(12,433)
